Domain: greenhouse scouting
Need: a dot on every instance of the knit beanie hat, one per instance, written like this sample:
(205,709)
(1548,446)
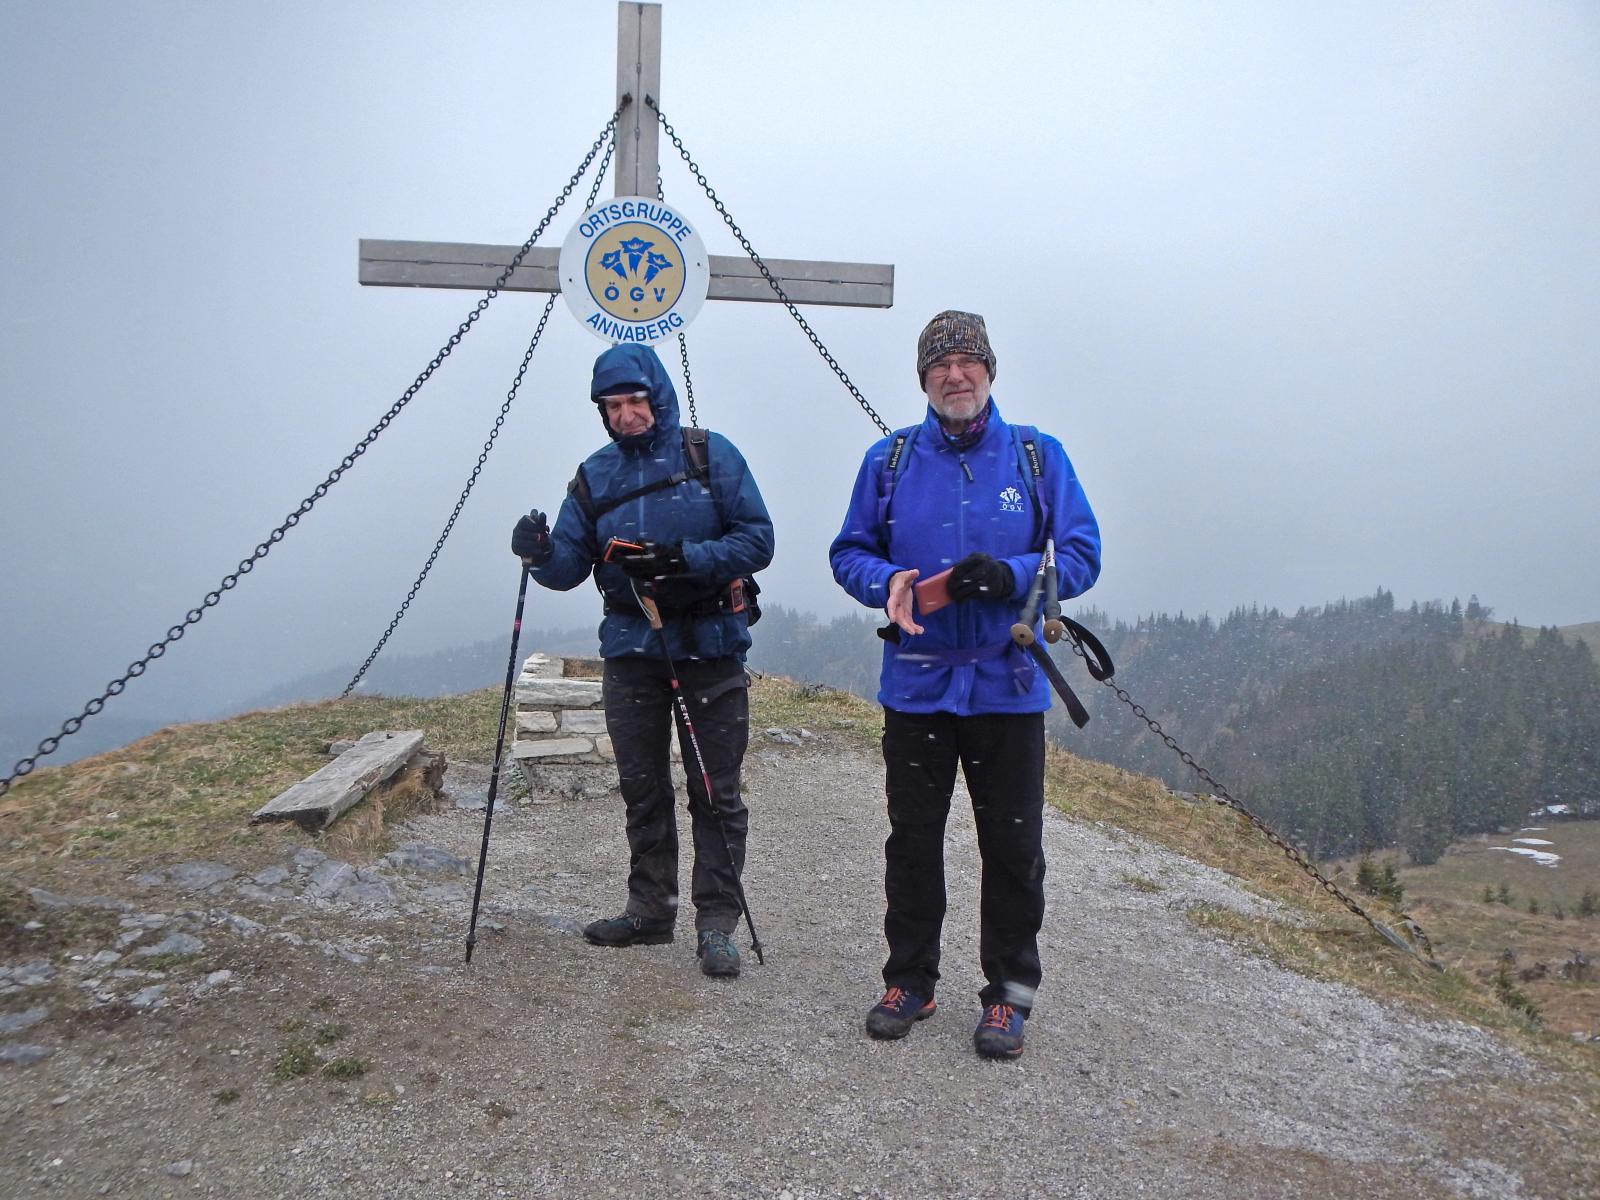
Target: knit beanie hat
(953,332)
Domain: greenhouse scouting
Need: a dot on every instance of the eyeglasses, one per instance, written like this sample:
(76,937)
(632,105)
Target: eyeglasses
(952,362)
(624,397)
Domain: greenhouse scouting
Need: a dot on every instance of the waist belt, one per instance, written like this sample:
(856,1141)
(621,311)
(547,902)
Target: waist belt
(730,599)
(1022,668)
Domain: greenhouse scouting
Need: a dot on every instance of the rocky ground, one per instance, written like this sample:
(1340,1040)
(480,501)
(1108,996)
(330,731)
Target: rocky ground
(311,1030)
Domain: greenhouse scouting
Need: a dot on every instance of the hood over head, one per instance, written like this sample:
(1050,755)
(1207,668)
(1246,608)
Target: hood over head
(626,366)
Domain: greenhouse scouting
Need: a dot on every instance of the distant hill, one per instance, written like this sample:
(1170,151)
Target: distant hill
(441,673)
(1588,633)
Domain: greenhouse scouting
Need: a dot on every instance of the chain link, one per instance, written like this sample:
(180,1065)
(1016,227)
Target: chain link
(683,342)
(138,667)
(1222,796)
(766,274)
(483,455)
(688,380)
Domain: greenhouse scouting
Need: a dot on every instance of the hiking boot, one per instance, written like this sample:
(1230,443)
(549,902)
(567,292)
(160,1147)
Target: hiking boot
(999,1034)
(629,930)
(894,1015)
(717,953)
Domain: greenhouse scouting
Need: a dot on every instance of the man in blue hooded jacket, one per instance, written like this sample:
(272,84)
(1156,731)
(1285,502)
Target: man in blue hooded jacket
(695,538)
(954,688)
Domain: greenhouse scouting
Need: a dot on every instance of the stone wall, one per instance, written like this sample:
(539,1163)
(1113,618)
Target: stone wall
(560,744)
(559,714)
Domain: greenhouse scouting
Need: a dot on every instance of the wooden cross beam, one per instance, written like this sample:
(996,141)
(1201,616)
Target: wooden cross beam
(475,267)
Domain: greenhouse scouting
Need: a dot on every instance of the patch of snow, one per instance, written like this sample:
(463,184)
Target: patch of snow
(1533,841)
(1543,857)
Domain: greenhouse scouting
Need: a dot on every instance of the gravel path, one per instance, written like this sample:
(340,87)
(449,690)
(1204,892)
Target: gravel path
(1159,1063)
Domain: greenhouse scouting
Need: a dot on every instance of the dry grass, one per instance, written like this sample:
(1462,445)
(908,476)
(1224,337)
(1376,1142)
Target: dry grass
(1471,932)
(783,703)
(363,832)
(188,791)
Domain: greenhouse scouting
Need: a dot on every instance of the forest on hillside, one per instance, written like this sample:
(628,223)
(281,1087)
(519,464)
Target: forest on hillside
(1346,726)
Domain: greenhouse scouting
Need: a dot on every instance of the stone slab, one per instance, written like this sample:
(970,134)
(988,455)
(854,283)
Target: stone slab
(538,720)
(552,747)
(558,693)
(583,720)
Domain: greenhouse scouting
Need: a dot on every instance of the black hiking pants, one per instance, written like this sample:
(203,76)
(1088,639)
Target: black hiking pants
(639,715)
(1002,757)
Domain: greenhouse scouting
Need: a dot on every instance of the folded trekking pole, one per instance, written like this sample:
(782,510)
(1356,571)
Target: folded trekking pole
(499,747)
(1044,583)
(1053,627)
(1022,631)
(653,615)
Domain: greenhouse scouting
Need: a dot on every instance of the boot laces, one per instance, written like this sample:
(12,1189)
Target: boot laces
(998,1016)
(896,999)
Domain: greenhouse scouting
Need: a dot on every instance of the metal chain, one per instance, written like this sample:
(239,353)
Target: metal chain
(766,274)
(1222,796)
(138,667)
(683,342)
(688,381)
(483,455)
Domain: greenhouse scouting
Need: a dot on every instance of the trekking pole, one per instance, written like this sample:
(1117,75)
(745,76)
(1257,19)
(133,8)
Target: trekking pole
(499,746)
(1022,631)
(1053,627)
(653,615)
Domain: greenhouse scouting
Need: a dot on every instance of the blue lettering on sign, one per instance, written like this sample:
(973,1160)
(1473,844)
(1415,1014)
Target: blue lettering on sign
(659,215)
(624,331)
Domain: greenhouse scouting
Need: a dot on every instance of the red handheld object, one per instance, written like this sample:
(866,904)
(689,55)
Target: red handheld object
(619,548)
(932,593)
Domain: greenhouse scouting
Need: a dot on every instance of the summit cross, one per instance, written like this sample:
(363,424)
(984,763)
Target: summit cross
(475,266)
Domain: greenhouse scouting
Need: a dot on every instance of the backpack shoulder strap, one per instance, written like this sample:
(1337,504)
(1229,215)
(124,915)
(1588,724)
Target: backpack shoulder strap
(697,453)
(697,465)
(900,443)
(578,489)
(1031,465)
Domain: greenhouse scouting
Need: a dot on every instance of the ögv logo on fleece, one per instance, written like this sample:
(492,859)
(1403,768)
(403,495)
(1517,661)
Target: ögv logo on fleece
(1011,500)
(634,270)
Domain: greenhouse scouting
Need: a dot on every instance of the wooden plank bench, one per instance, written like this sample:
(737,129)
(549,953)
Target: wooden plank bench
(319,799)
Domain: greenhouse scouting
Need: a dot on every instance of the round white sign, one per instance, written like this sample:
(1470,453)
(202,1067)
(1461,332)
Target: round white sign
(634,270)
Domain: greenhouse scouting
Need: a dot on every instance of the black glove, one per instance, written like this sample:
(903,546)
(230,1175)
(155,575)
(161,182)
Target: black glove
(980,575)
(655,560)
(531,539)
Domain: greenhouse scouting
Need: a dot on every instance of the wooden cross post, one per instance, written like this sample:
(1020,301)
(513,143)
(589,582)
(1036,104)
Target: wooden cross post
(475,267)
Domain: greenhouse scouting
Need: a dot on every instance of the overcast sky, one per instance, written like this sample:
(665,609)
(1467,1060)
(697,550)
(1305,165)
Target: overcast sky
(1310,293)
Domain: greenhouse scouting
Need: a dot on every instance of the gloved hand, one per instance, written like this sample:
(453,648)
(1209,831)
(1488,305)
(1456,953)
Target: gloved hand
(530,540)
(654,560)
(980,575)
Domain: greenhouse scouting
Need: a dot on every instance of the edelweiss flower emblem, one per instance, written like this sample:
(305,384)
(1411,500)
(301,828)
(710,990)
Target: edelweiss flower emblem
(1010,500)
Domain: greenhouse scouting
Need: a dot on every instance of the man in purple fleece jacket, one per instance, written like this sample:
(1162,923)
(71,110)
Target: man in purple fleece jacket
(954,688)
